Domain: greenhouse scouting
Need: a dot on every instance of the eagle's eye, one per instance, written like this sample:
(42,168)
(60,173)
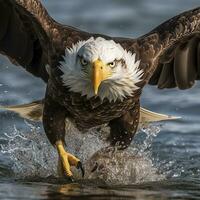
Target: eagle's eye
(111,64)
(83,61)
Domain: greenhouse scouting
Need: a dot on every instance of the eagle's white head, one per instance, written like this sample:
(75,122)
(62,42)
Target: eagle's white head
(100,67)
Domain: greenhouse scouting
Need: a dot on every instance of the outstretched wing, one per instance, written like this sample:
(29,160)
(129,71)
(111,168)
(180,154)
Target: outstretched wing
(176,45)
(170,54)
(31,38)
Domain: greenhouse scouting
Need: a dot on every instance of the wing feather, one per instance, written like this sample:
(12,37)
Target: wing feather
(22,38)
(170,54)
(31,38)
(177,51)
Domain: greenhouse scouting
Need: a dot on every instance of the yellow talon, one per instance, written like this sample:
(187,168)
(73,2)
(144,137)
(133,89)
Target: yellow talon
(67,160)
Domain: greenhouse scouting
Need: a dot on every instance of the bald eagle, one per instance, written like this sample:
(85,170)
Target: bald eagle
(95,79)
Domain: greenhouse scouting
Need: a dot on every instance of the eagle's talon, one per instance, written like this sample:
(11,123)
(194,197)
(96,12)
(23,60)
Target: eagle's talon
(68,160)
(70,178)
(95,167)
(80,166)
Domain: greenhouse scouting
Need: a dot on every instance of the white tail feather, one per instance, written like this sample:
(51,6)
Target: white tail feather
(147,116)
(33,111)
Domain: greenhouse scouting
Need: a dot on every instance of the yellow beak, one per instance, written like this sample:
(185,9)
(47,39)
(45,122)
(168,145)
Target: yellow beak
(100,72)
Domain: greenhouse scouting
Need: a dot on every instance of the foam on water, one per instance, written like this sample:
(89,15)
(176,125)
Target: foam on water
(33,156)
(30,153)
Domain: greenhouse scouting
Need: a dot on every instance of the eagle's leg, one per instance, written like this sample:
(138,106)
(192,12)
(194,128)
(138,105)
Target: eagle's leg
(66,160)
(123,129)
(54,116)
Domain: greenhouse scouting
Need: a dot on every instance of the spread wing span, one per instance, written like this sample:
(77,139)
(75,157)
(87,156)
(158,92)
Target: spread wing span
(169,54)
(176,51)
(31,38)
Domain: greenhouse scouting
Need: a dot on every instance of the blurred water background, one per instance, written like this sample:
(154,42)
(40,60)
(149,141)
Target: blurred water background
(163,161)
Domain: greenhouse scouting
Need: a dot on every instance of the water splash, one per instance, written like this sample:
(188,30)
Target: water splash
(134,165)
(30,153)
(33,156)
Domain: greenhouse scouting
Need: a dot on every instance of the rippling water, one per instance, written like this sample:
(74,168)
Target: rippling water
(162,163)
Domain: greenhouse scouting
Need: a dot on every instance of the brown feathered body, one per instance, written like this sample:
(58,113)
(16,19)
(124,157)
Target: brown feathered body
(88,113)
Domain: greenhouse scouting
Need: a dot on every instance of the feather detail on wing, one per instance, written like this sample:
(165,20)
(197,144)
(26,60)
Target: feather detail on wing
(177,53)
(31,38)
(170,54)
